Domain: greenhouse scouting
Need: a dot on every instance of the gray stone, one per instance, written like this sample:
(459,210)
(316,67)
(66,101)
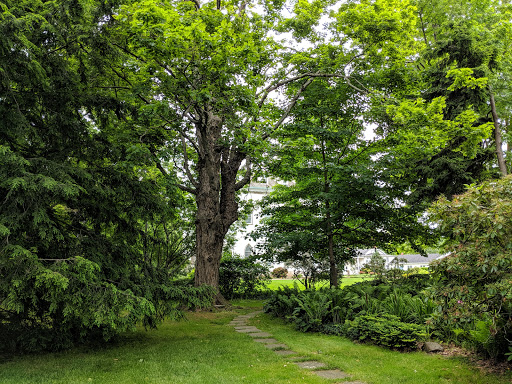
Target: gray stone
(276,346)
(432,347)
(310,364)
(247,329)
(332,374)
(284,352)
(260,334)
(267,341)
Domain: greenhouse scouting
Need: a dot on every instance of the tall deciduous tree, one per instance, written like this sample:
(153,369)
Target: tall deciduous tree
(209,71)
(333,202)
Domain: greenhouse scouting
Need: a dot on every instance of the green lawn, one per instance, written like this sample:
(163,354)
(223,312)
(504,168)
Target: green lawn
(375,365)
(276,283)
(204,349)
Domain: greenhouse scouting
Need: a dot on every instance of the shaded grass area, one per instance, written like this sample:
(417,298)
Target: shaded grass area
(375,365)
(205,349)
(346,280)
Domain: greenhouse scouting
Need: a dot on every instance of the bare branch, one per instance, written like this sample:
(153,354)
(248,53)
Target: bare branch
(271,88)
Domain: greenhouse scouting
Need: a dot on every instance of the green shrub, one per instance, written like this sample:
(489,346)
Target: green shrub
(313,310)
(385,330)
(242,278)
(282,303)
(279,273)
(473,285)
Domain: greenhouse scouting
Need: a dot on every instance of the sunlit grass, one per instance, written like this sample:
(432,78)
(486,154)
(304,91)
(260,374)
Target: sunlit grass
(346,280)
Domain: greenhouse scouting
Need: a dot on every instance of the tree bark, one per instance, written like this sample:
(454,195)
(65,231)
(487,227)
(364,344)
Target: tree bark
(497,137)
(333,269)
(217,168)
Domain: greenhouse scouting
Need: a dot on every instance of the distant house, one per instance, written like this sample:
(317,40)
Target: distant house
(244,246)
(411,261)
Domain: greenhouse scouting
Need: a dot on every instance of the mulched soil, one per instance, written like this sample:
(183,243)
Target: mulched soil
(485,365)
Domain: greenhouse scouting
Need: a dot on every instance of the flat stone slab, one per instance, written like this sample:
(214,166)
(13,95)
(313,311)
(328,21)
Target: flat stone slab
(310,364)
(276,346)
(267,341)
(260,334)
(284,352)
(332,374)
(247,330)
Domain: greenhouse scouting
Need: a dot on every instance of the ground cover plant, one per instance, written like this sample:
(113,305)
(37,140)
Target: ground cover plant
(390,314)
(204,349)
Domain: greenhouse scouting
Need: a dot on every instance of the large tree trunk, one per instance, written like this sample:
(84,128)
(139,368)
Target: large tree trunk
(215,194)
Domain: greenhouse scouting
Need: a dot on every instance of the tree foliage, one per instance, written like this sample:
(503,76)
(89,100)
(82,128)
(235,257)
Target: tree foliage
(89,242)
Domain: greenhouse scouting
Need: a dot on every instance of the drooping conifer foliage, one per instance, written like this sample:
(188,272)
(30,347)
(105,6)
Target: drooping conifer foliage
(88,238)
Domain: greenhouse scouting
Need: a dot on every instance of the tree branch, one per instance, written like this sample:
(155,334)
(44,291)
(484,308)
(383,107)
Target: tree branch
(247,177)
(289,108)
(185,164)
(187,189)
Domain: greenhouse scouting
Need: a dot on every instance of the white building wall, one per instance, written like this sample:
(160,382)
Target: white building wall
(255,192)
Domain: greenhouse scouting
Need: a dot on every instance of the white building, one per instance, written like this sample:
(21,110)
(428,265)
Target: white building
(256,191)
(410,261)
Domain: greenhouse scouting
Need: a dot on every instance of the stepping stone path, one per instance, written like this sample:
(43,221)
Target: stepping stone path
(241,326)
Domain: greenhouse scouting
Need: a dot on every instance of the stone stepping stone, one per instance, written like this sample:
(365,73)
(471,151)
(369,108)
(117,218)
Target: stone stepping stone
(276,346)
(260,334)
(247,329)
(310,364)
(332,374)
(266,341)
(238,324)
(284,352)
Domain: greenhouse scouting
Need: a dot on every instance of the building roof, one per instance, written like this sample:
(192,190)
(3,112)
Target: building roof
(371,251)
(411,258)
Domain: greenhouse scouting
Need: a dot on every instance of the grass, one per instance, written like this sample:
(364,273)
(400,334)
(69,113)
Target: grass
(375,365)
(276,283)
(205,349)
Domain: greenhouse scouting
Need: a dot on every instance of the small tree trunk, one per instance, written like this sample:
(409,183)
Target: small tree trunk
(497,137)
(333,270)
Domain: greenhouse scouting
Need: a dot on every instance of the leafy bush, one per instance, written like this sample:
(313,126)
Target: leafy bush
(282,303)
(313,310)
(385,330)
(363,311)
(279,273)
(473,285)
(242,277)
